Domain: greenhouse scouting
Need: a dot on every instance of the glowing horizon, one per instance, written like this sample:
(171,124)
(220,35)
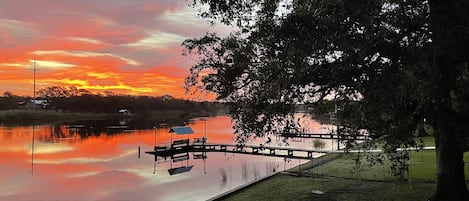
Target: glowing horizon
(127,47)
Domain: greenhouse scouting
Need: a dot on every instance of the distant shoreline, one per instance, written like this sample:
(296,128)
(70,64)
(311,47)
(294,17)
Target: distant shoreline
(19,117)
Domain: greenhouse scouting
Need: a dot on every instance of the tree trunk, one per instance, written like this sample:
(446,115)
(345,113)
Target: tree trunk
(450,39)
(451,183)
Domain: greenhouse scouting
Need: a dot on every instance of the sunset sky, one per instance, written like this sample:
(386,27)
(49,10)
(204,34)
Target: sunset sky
(124,46)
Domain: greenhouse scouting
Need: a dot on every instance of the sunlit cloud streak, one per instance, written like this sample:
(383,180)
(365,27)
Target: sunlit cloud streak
(129,47)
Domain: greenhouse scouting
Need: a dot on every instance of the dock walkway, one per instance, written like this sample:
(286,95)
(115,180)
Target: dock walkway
(288,152)
(324,136)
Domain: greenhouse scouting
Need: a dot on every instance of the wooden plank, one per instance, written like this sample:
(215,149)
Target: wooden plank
(178,142)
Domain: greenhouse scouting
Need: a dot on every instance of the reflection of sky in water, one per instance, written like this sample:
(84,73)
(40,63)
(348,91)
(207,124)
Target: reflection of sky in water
(106,167)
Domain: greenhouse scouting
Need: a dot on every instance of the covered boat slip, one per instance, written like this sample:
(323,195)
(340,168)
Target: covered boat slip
(178,149)
(176,144)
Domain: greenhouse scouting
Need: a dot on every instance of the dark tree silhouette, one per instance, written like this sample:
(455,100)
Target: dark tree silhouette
(8,94)
(391,66)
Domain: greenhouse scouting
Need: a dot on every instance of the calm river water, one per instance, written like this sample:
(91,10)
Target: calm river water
(79,162)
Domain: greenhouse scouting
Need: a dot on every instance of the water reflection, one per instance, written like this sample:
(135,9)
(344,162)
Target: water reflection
(32,151)
(89,161)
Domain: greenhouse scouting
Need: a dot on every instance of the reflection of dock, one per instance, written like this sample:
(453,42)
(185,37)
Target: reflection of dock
(288,152)
(182,168)
(325,136)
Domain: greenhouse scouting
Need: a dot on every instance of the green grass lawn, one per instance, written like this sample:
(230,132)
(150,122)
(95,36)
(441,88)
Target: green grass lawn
(422,168)
(427,141)
(339,180)
(285,187)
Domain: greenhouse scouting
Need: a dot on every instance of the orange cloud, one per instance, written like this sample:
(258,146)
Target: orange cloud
(130,47)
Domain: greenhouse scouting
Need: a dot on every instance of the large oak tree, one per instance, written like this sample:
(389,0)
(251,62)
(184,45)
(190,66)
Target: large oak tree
(390,65)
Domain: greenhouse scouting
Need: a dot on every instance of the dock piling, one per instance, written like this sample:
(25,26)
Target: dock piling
(138,152)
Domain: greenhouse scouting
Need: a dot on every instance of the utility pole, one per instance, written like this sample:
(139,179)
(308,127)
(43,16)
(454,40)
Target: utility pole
(34,84)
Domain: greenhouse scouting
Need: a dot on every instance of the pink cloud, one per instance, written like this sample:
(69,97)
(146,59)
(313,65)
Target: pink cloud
(135,43)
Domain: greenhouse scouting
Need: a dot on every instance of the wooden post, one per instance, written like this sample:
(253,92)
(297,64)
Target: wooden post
(272,151)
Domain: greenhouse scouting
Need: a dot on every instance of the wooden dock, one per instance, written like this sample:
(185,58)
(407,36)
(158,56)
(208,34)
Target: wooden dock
(324,136)
(284,152)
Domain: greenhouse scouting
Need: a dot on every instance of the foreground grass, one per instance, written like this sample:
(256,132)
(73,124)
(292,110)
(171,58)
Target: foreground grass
(285,187)
(339,179)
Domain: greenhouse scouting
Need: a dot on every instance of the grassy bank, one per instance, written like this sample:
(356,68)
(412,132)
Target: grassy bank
(339,179)
(422,168)
(28,117)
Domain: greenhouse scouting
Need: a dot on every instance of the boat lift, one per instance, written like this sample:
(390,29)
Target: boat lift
(180,145)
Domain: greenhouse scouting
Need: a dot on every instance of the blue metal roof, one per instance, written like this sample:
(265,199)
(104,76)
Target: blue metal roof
(181,130)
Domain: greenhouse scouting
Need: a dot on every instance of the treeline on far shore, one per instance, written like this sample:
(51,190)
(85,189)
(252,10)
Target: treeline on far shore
(124,104)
